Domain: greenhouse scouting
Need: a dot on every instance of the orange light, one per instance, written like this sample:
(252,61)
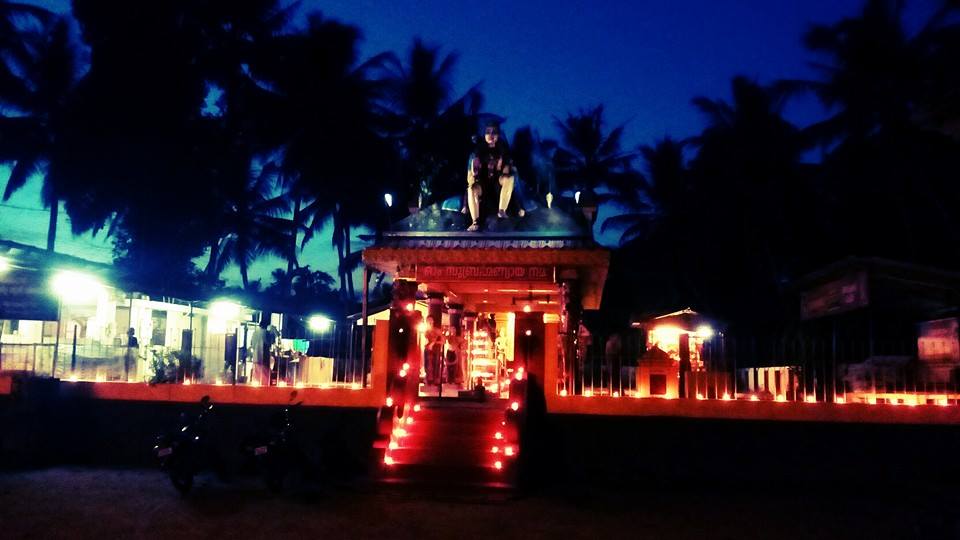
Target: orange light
(388,460)
(497,465)
(495,450)
(498,436)
(840,399)
(422,327)
(726,396)
(403,373)
(508,451)
(563,393)
(527,309)
(811,398)
(355,386)
(528,333)
(409,420)
(394,445)
(503,423)
(515,406)
(699,396)
(872,400)
(281,384)
(410,306)
(406,366)
(186,382)
(416,408)
(943,402)
(300,385)
(782,398)
(754,398)
(255,383)
(389,401)
(588,393)
(518,376)
(399,432)
(616,394)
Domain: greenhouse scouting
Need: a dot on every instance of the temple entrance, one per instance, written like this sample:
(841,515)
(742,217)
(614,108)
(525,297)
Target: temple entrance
(468,356)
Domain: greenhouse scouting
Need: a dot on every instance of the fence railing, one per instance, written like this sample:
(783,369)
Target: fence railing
(728,368)
(333,358)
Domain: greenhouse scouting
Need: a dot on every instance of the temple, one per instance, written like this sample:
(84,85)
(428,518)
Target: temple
(480,318)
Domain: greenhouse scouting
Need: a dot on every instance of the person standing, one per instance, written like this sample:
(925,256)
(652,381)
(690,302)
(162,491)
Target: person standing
(131,356)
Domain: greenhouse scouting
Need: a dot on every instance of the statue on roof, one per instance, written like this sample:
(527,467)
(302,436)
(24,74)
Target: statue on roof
(490,175)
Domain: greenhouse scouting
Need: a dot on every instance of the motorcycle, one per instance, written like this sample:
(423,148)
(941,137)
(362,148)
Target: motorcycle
(181,452)
(277,450)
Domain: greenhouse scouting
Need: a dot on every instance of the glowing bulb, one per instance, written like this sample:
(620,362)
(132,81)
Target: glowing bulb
(754,398)
(399,432)
(699,396)
(422,327)
(726,396)
(218,382)
(498,436)
(388,198)
(409,420)
(811,398)
(282,384)
(563,393)
(388,460)
(527,309)
(704,332)
(515,406)
(782,398)
(528,333)
(410,306)
(73,378)
(406,366)
(840,399)
(497,465)
(319,323)
(186,382)
(4,264)
(355,386)
(403,373)
(300,385)
(254,383)
(495,449)
(76,287)
(616,394)
(508,451)
(942,402)
(389,401)
(394,445)
(588,393)
(416,408)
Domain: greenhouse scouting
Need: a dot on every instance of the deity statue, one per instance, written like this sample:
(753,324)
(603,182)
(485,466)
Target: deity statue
(490,176)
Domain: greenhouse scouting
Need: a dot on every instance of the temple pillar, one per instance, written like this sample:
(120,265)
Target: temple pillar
(571,311)
(403,349)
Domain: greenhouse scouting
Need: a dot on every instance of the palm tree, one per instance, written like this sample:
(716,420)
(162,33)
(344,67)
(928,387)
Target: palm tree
(38,73)
(251,224)
(749,215)
(589,158)
(433,129)
(660,200)
(333,150)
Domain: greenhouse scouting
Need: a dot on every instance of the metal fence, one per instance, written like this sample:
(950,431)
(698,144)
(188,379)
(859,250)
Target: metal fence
(332,358)
(762,368)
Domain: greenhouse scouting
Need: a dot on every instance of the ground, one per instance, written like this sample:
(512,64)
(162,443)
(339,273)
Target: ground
(85,503)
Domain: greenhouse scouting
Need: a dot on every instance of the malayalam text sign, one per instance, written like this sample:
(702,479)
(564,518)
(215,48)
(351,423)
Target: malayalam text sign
(476,272)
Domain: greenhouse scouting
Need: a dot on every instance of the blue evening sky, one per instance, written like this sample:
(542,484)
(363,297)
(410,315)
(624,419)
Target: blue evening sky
(537,59)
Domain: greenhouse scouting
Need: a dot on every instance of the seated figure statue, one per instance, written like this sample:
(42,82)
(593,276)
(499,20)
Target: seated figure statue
(490,176)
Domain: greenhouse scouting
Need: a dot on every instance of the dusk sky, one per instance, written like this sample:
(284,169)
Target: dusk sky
(538,59)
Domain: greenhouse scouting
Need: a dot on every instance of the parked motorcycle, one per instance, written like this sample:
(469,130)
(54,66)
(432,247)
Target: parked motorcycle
(277,450)
(185,450)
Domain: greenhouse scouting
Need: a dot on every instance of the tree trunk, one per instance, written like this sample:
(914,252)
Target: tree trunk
(292,256)
(340,265)
(346,241)
(52,226)
(243,276)
(211,269)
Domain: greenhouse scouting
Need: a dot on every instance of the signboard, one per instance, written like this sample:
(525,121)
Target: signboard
(477,272)
(939,341)
(838,296)
(26,295)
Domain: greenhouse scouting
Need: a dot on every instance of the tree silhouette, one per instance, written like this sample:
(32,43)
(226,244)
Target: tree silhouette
(589,158)
(38,72)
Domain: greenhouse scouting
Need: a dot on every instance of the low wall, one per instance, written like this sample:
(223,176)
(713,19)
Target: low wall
(50,423)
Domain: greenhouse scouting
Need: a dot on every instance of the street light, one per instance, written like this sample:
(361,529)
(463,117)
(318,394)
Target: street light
(76,287)
(319,323)
(388,198)
(4,265)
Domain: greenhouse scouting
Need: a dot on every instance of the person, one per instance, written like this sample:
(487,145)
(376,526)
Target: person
(432,350)
(260,352)
(490,175)
(130,358)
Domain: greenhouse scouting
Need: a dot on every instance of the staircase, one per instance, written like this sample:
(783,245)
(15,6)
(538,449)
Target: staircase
(451,444)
